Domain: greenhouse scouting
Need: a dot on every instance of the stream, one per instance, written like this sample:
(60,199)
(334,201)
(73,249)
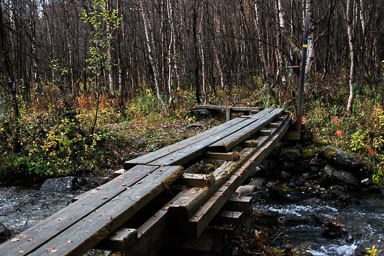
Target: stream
(299,224)
(295,223)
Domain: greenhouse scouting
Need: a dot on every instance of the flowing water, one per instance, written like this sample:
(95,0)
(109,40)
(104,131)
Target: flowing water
(21,208)
(299,224)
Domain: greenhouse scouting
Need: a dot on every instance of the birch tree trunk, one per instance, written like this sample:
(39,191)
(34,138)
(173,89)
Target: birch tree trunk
(261,50)
(349,15)
(202,57)
(170,47)
(310,49)
(109,53)
(279,46)
(120,30)
(150,44)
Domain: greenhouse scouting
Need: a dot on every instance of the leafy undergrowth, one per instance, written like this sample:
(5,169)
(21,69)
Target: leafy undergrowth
(57,139)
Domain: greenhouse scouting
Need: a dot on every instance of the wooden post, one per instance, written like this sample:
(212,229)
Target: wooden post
(299,112)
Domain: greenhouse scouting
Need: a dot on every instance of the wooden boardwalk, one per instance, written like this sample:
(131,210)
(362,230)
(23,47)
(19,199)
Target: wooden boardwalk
(153,197)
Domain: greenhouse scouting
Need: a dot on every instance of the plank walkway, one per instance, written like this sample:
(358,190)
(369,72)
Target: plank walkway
(99,217)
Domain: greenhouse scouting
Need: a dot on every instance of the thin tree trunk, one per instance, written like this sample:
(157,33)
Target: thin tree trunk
(349,14)
(149,43)
(279,46)
(119,30)
(170,47)
(202,57)
(310,49)
(196,54)
(111,85)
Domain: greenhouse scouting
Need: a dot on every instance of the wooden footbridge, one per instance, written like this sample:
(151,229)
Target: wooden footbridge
(155,200)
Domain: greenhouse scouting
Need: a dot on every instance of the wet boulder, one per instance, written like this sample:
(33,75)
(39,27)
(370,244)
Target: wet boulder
(376,244)
(259,183)
(286,195)
(333,230)
(245,190)
(65,184)
(5,233)
(334,175)
(344,160)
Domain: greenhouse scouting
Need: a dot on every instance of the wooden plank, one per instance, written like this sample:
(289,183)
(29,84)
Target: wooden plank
(227,218)
(190,199)
(273,125)
(153,232)
(217,233)
(120,240)
(234,139)
(95,227)
(150,157)
(265,132)
(118,172)
(213,107)
(239,203)
(228,114)
(228,156)
(198,180)
(187,154)
(246,109)
(250,143)
(50,227)
(200,220)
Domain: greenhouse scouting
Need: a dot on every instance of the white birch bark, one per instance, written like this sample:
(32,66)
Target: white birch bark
(109,53)
(149,43)
(362,16)
(310,50)
(349,15)
(262,54)
(171,43)
(202,57)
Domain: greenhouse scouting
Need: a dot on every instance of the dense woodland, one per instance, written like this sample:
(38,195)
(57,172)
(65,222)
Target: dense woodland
(53,52)
(205,44)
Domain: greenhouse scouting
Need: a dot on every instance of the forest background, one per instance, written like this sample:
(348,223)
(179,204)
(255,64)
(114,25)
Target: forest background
(73,73)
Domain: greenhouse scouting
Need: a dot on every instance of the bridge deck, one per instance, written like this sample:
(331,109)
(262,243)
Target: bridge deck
(93,219)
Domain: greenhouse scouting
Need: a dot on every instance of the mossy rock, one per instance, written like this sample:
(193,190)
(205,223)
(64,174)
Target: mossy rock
(339,157)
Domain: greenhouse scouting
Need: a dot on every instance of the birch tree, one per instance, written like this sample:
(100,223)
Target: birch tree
(349,19)
(150,45)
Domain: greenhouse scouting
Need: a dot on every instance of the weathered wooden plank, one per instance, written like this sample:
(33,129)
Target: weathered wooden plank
(250,143)
(219,231)
(120,240)
(273,125)
(239,203)
(187,154)
(189,200)
(96,226)
(227,156)
(234,139)
(227,218)
(213,107)
(150,157)
(265,132)
(198,180)
(236,109)
(228,114)
(50,227)
(188,203)
(118,172)
(200,220)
